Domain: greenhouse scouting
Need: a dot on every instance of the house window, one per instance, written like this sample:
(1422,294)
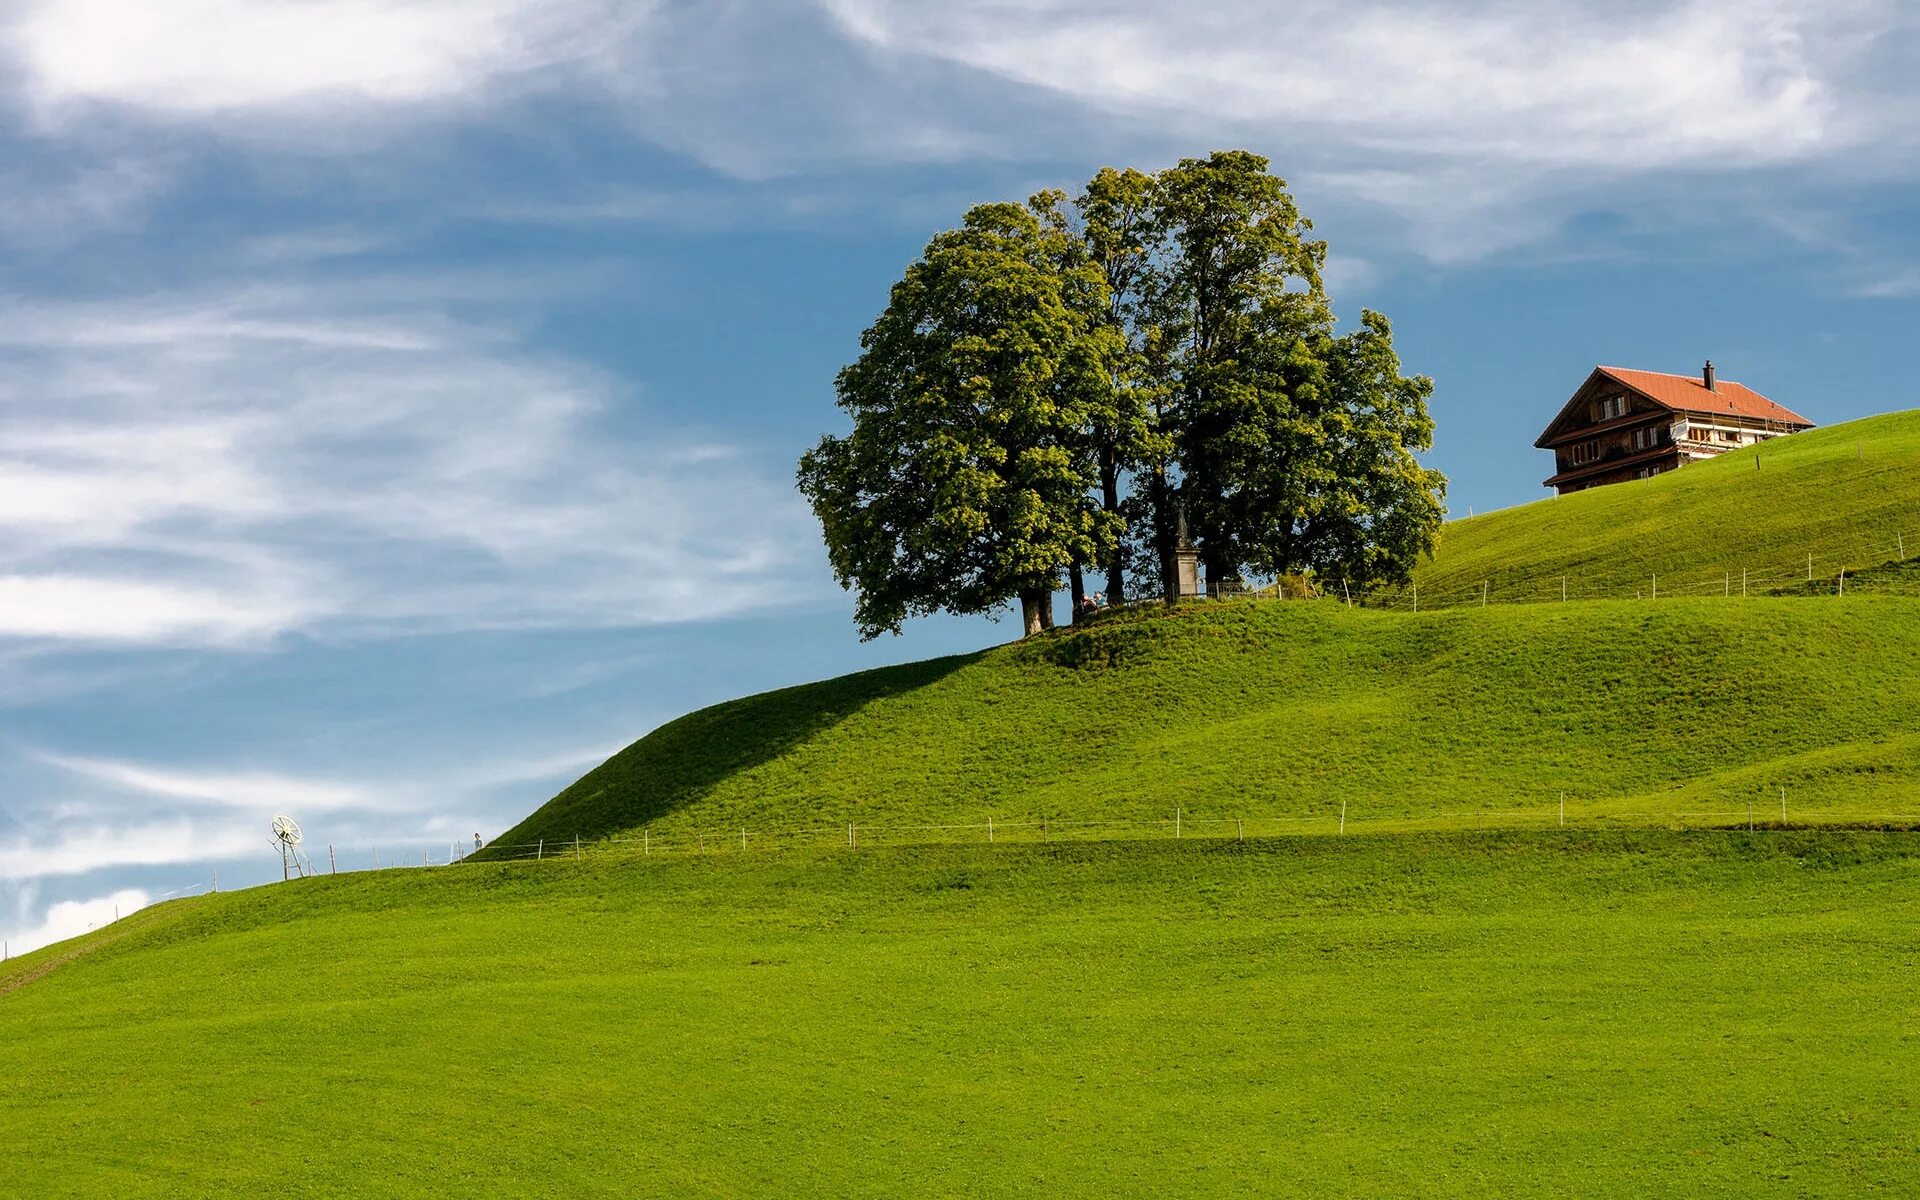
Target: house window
(1611,407)
(1582,452)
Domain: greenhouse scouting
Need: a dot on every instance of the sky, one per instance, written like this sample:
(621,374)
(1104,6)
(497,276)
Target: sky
(399,399)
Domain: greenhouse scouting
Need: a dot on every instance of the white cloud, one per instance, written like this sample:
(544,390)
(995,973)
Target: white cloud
(1707,83)
(1477,125)
(225,469)
(215,56)
(71,918)
(247,790)
(79,847)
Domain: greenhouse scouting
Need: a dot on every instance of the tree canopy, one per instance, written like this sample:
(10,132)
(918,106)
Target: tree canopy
(968,478)
(1060,386)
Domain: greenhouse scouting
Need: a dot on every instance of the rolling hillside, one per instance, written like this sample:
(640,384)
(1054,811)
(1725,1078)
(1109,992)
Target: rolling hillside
(1458,997)
(1465,1015)
(1685,709)
(1638,712)
(1847,495)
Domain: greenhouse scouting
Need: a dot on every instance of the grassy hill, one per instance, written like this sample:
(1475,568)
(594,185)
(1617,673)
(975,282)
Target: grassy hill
(1682,711)
(1640,1013)
(1848,495)
(721,1004)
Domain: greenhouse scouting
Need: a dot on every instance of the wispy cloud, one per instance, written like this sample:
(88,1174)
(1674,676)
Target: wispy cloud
(67,918)
(222,469)
(212,56)
(249,790)
(1479,125)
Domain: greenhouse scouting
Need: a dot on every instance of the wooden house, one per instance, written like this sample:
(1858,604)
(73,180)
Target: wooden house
(1623,424)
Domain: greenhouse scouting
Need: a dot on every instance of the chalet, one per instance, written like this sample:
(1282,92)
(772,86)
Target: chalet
(1624,424)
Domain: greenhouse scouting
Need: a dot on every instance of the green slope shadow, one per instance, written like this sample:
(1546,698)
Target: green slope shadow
(687,758)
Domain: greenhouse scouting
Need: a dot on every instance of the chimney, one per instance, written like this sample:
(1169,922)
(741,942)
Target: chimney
(1706,375)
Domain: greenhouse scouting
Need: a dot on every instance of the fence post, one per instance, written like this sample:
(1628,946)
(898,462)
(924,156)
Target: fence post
(851,842)
(1783,804)
(1416,597)
(1809,568)
(743,837)
(1241,828)
(1563,810)
(331,868)
(1656,585)
(1843,582)
(1343,816)
(540,851)
(1176,822)
(1726,585)
(1563,589)
(1483,593)
(646,840)
(989,831)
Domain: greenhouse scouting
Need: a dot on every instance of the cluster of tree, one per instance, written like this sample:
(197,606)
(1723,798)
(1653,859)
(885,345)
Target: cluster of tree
(1066,387)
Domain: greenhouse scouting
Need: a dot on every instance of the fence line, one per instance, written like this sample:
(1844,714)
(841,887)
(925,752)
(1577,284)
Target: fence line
(740,840)
(1824,573)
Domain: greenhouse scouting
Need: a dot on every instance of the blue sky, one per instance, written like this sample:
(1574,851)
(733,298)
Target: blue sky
(399,399)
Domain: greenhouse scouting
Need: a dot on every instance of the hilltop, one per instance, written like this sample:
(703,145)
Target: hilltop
(740,1003)
(1846,496)
(1680,710)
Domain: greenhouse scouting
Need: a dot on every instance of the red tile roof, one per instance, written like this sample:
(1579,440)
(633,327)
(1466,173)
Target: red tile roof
(1687,394)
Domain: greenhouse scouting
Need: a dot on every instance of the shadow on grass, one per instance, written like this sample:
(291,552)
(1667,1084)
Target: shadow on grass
(682,760)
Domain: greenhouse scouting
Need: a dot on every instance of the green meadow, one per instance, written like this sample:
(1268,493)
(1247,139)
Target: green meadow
(1282,715)
(1846,497)
(1603,897)
(1632,1013)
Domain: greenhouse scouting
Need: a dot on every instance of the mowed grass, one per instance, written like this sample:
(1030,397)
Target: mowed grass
(1848,495)
(1599,1014)
(1282,714)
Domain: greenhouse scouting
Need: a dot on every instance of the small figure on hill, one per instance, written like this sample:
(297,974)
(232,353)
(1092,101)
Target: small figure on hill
(476,841)
(1088,604)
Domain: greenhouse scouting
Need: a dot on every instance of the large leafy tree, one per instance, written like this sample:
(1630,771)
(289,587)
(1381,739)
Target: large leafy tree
(1326,478)
(969,477)
(1293,446)
(1373,510)
(1116,212)
(1236,297)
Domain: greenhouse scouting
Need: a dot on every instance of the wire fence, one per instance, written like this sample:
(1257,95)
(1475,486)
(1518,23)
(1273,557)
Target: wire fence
(853,836)
(1877,564)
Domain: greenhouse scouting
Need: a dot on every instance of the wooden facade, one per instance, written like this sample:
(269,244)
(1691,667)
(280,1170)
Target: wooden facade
(1624,424)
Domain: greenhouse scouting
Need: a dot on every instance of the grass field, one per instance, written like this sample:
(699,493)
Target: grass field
(1612,1008)
(1642,1013)
(1685,708)
(1848,495)
(1282,713)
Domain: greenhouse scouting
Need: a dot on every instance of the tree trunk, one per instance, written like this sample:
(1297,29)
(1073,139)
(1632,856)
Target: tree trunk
(1110,501)
(1217,571)
(1046,608)
(1163,537)
(1033,602)
(1078,587)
